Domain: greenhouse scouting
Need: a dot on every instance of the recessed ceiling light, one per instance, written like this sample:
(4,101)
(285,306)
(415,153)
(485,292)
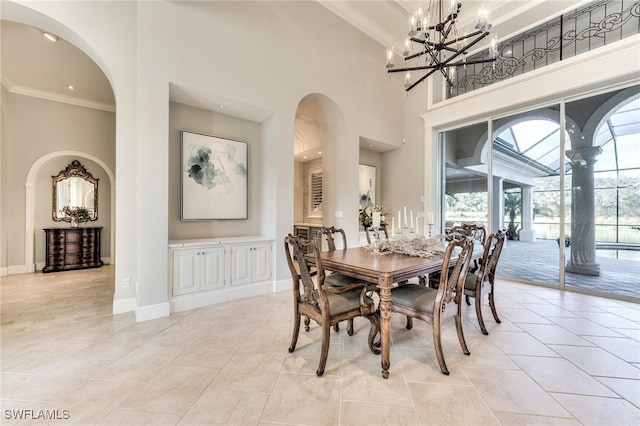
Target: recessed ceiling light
(71,87)
(305,157)
(221,106)
(50,37)
(319,152)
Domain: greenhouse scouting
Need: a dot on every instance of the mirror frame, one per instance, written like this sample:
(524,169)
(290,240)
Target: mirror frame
(74,169)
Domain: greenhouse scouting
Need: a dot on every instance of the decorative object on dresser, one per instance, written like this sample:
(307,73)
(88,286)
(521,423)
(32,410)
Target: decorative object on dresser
(213,175)
(72,248)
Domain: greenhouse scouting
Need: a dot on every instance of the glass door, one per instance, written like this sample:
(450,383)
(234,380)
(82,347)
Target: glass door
(465,198)
(526,167)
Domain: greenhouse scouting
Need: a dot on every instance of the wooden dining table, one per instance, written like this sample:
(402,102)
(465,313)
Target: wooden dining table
(387,270)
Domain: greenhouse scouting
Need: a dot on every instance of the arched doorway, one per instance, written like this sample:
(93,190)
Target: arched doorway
(319,129)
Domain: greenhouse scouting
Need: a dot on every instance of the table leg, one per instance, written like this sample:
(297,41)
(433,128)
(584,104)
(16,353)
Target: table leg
(385,325)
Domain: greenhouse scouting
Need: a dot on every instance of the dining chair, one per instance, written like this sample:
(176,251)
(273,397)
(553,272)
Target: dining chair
(337,279)
(476,232)
(326,305)
(479,284)
(368,231)
(435,305)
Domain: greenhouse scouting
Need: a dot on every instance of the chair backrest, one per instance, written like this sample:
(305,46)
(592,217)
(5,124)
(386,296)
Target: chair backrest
(451,283)
(493,258)
(477,232)
(330,236)
(296,249)
(368,229)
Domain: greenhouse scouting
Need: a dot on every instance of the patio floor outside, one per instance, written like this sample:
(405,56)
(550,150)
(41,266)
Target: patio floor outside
(538,262)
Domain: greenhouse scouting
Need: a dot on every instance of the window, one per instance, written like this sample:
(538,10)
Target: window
(315,193)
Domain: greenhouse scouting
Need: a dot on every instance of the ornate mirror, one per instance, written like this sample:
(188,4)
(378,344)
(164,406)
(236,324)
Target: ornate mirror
(74,187)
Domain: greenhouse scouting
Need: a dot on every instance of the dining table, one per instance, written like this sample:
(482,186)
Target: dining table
(387,269)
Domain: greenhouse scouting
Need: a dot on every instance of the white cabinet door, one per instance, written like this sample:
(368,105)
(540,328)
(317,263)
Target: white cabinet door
(212,268)
(197,269)
(250,263)
(241,264)
(261,262)
(186,273)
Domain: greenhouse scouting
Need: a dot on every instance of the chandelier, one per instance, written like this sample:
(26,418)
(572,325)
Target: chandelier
(440,44)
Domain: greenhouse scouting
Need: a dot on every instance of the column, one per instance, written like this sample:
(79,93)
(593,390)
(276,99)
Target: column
(527,233)
(583,218)
(497,205)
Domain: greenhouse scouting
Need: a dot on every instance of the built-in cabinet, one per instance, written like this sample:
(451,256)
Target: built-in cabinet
(250,263)
(209,271)
(198,269)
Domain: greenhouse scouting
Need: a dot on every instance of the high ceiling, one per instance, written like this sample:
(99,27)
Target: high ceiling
(34,65)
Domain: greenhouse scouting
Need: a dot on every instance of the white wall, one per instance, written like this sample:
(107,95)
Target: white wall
(260,54)
(269,55)
(184,117)
(37,128)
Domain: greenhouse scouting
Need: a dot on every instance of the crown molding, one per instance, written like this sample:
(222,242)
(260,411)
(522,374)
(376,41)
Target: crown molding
(41,94)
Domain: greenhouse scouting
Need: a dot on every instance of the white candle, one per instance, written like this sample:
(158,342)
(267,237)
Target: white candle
(411,219)
(399,220)
(405,216)
(417,230)
(376,220)
(430,218)
(393,226)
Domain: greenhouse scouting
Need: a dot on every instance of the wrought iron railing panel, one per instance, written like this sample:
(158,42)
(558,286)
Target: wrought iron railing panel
(587,28)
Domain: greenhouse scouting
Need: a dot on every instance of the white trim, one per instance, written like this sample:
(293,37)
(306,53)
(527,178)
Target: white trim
(17,269)
(3,272)
(198,300)
(601,68)
(146,313)
(121,306)
(282,285)
(49,96)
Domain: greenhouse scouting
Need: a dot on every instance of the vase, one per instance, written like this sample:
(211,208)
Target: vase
(74,222)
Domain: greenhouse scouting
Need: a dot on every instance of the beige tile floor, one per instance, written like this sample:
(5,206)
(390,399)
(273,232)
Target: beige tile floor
(557,358)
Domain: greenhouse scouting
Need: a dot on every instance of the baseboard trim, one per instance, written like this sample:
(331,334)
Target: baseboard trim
(282,285)
(198,300)
(146,313)
(3,272)
(121,306)
(17,269)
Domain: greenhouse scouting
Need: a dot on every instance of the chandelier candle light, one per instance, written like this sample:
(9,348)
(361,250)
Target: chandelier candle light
(440,44)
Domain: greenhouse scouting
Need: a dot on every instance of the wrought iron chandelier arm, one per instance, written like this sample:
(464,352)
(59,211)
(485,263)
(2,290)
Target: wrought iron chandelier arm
(465,49)
(416,68)
(466,36)
(475,61)
(427,49)
(421,79)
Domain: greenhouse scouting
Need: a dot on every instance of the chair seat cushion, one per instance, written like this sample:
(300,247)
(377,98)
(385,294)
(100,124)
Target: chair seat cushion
(339,280)
(415,297)
(470,281)
(345,302)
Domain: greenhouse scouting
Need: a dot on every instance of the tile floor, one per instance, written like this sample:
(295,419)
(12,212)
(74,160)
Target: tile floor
(556,359)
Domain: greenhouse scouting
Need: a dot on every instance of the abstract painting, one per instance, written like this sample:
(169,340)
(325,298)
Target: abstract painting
(213,177)
(367,185)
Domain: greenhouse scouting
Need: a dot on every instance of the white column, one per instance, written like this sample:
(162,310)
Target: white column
(497,205)
(527,233)
(583,217)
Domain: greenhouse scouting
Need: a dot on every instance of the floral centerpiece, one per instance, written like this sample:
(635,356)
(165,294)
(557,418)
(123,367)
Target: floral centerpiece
(77,214)
(366,214)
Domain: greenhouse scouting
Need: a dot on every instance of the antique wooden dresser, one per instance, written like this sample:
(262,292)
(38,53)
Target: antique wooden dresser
(72,248)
